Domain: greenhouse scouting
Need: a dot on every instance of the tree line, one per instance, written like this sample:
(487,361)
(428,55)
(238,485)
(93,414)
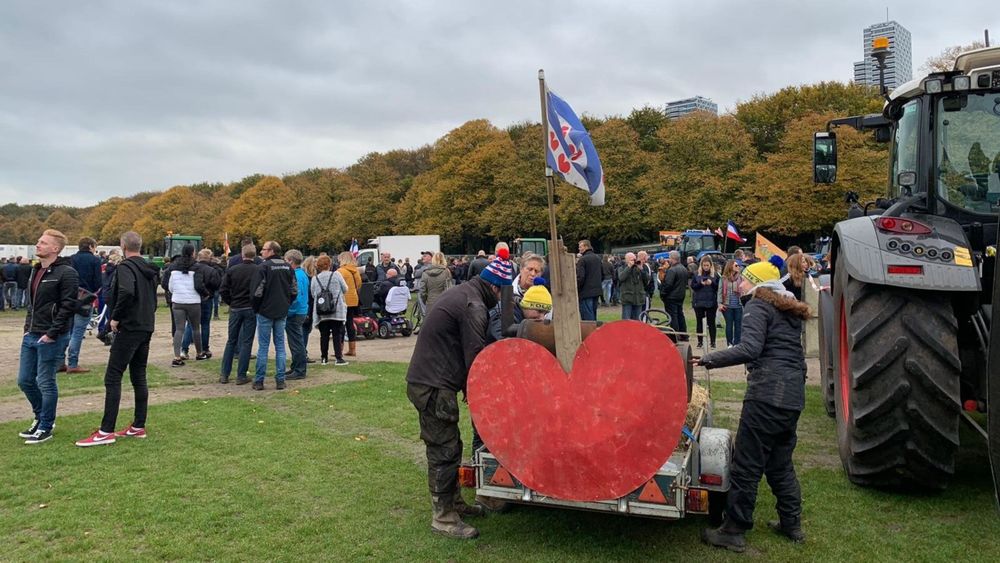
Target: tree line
(480,183)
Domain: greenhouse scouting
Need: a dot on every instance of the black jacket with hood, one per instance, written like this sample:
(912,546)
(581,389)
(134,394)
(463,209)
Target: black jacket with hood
(133,295)
(588,275)
(455,330)
(771,347)
(278,288)
(52,306)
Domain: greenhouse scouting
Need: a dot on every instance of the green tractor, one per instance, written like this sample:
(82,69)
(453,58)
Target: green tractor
(172,245)
(906,348)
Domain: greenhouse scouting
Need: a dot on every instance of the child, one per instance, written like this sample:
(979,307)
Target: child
(771,346)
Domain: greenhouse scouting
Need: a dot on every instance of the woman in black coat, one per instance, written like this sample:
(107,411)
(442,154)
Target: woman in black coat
(705,298)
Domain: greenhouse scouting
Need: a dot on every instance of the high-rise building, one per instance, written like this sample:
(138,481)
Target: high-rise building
(899,63)
(683,107)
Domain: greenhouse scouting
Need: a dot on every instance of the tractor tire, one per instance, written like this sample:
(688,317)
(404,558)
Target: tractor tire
(826,334)
(896,384)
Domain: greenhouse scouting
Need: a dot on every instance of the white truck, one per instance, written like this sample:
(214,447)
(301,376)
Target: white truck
(399,246)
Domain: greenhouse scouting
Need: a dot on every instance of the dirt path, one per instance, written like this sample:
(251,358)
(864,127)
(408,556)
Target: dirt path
(199,384)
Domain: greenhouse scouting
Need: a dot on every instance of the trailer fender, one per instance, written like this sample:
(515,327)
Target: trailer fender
(869,252)
(715,449)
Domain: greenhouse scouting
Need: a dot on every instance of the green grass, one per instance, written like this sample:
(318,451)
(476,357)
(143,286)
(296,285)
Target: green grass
(335,473)
(93,382)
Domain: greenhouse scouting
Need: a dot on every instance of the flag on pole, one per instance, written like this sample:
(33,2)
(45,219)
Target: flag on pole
(225,244)
(732,233)
(764,249)
(570,151)
(354,247)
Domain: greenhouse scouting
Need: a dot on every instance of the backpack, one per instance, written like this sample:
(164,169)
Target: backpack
(325,304)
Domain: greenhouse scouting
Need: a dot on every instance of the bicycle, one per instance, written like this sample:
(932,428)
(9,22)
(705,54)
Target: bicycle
(656,317)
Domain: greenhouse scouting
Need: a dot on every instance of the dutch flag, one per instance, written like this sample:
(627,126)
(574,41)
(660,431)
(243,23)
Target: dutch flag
(354,247)
(732,233)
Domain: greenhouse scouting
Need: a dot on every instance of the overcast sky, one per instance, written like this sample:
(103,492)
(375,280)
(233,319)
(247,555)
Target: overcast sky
(112,98)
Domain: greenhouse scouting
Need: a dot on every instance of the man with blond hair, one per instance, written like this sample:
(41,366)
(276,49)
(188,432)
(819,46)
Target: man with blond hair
(52,302)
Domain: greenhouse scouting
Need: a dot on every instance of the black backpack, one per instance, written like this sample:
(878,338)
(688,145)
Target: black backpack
(324,301)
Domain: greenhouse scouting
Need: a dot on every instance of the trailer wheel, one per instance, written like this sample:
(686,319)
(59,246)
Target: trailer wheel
(896,369)
(826,333)
(684,349)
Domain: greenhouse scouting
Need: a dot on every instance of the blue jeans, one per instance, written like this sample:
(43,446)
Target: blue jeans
(265,327)
(588,308)
(242,324)
(206,320)
(734,324)
(606,289)
(215,304)
(37,375)
(76,340)
(293,329)
(631,312)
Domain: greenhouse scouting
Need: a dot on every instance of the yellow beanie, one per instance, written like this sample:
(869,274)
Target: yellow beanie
(537,297)
(761,272)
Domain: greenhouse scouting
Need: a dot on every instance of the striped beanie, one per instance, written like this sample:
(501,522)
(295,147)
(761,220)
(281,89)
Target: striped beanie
(500,271)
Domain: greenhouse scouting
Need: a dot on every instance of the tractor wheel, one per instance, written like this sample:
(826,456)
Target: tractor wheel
(896,384)
(826,334)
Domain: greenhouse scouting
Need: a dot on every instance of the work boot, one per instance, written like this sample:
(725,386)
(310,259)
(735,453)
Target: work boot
(446,520)
(727,536)
(352,349)
(464,509)
(791,530)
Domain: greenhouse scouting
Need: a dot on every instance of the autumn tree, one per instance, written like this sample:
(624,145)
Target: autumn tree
(123,219)
(945,61)
(67,224)
(95,219)
(317,194)
(262,212)
(779,195)
(646,122)
(178,210)
(765,116)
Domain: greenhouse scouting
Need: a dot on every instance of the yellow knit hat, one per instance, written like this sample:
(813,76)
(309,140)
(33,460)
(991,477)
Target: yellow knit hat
(761,272)
(537,297)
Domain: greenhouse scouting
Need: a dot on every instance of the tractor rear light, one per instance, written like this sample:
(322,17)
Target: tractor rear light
(902,226)
(710,479)
(467,476)
(906,270)
(971,405)
(697,500)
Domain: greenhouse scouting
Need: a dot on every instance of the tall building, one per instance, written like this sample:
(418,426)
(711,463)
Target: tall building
(899,63)
(681,108)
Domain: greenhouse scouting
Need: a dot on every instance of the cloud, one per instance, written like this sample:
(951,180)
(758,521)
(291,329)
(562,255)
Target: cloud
(110,98)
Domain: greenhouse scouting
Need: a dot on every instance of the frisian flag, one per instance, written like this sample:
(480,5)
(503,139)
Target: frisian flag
(570,151)
(354,247)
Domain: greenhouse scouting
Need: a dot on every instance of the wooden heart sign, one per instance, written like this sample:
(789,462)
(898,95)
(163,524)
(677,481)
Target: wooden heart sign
(597,433)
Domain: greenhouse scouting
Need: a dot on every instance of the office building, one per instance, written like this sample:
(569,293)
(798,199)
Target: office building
(681,108)
(899,63)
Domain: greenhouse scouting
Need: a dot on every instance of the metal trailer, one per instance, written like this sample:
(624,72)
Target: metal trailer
(694,480)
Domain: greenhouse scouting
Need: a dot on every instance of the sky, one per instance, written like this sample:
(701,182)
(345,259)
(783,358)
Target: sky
(110,98)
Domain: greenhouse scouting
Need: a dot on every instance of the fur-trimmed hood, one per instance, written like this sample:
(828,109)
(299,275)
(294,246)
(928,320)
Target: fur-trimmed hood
(784,302)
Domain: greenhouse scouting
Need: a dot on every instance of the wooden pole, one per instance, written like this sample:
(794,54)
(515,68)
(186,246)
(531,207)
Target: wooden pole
(565,303)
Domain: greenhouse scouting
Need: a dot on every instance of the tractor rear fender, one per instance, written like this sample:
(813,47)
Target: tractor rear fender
(943,256)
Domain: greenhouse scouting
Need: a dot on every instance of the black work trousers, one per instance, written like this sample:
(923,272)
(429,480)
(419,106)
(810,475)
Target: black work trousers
(129,350)
(438,411)
(764,445)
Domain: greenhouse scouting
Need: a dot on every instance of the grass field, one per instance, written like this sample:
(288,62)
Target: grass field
(336,473)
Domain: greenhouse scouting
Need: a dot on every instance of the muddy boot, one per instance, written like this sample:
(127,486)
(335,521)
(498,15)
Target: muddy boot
(727,536)
(447,522)
(464,509)
(790,529)
(352,349)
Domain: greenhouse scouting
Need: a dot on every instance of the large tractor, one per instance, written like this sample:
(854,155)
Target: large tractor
(905,330)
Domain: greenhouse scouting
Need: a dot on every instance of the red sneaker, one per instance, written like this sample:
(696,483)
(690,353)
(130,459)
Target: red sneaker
(131,432)
(97,439)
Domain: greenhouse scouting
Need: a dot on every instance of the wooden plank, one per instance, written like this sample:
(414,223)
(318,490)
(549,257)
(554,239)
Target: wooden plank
(565,307)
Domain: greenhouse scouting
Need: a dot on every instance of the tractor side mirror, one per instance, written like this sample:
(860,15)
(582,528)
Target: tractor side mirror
(825,157)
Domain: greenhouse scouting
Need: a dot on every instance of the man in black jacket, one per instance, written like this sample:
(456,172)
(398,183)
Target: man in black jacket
(133,316)
(235,292)
(454,332)
(52,302)
(88,268)
(673,290)
(24,271)
(588,281)
(211,273)
(476,266)
(273,288)
(771,347)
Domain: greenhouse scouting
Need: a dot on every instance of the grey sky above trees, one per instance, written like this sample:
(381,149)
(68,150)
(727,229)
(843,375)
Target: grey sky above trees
(112,98)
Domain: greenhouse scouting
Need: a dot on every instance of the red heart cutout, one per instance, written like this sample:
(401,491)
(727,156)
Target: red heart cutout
(598,433)
(564,164)
(552,140)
